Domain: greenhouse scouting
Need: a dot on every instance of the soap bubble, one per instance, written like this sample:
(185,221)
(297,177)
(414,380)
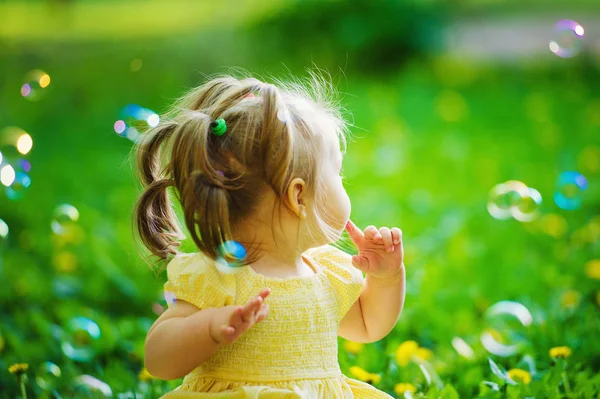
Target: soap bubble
(35,83)
(81,339)
(231,253)
(14,142)
(463,348)
(65,216)
(506,325)
(22,165)
(47,376)
(569,190)
(514,199)
(567,38)
(87,386)
(3,229)
(133,120)
(16,190)
(7,175)
(527,207)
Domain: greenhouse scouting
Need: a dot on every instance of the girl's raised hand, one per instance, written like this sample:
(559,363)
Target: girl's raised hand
(230,322)
(380,252)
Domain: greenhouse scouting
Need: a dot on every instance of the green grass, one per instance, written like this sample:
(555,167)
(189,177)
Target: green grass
(432,139)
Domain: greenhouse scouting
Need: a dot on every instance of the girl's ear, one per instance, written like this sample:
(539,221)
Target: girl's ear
(295,197)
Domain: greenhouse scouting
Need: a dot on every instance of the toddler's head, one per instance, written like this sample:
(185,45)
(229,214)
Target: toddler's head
(273,176)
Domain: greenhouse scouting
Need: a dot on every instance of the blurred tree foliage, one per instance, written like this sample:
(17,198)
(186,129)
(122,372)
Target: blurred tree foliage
(369,36)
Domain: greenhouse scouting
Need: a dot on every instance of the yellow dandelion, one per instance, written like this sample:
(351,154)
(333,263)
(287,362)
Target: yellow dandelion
(353,347)
(404,387)
(570,299)
(364,375)
(423,353)
(18,368)
(405,352)
(592,269)
(560,351)
(145,375)
(519,375)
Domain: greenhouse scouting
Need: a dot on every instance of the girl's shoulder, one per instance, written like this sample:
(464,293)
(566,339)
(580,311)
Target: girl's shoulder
(334,262)
(193,277)
(189,263)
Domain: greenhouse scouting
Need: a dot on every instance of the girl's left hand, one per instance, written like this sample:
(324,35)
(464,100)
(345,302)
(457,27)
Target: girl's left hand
(380,252)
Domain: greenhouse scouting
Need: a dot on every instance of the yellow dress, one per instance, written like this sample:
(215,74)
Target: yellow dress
(293,352)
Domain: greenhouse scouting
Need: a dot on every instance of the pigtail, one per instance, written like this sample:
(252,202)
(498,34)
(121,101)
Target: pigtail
(155,219)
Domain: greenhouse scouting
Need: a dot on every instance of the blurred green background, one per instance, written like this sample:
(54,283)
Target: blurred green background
(448,100)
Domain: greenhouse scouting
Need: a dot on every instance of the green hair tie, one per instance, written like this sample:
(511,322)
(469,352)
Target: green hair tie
(218,127)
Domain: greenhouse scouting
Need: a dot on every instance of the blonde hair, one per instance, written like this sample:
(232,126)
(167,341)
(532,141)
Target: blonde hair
(274,133)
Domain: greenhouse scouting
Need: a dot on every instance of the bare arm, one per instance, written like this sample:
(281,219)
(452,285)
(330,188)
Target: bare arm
(184,336)
(376,311)
(179,341)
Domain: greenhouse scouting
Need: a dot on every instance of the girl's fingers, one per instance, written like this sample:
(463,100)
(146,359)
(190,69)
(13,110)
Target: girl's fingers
(262,313)
(236,316)
(265,293)
(251,307)
(386,234)
(227,330)
(396,235)
(371,232)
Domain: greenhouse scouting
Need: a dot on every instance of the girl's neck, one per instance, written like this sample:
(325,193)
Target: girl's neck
(276,268)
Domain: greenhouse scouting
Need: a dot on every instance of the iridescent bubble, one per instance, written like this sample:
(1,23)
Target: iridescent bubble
(22,165)
(47,376)
(87,386)
(570,188)
(7,175)
(81,339)
(3,229)
(14,142)
(120,126)
(65,216)
(463,348)
(16,190)
(503,197)
(35,83)
(567,38)
(232,252)
(528,206)
(135,119)
(506,325)
(514,199)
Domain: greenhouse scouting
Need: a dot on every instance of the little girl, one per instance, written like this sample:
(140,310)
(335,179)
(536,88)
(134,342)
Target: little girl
(257,310)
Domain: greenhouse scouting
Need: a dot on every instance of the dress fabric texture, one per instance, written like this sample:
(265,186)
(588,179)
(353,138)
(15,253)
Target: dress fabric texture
(293,352)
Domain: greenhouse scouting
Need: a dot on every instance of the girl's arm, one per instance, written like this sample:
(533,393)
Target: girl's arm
(184,336)
(180,342)
(377,309)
